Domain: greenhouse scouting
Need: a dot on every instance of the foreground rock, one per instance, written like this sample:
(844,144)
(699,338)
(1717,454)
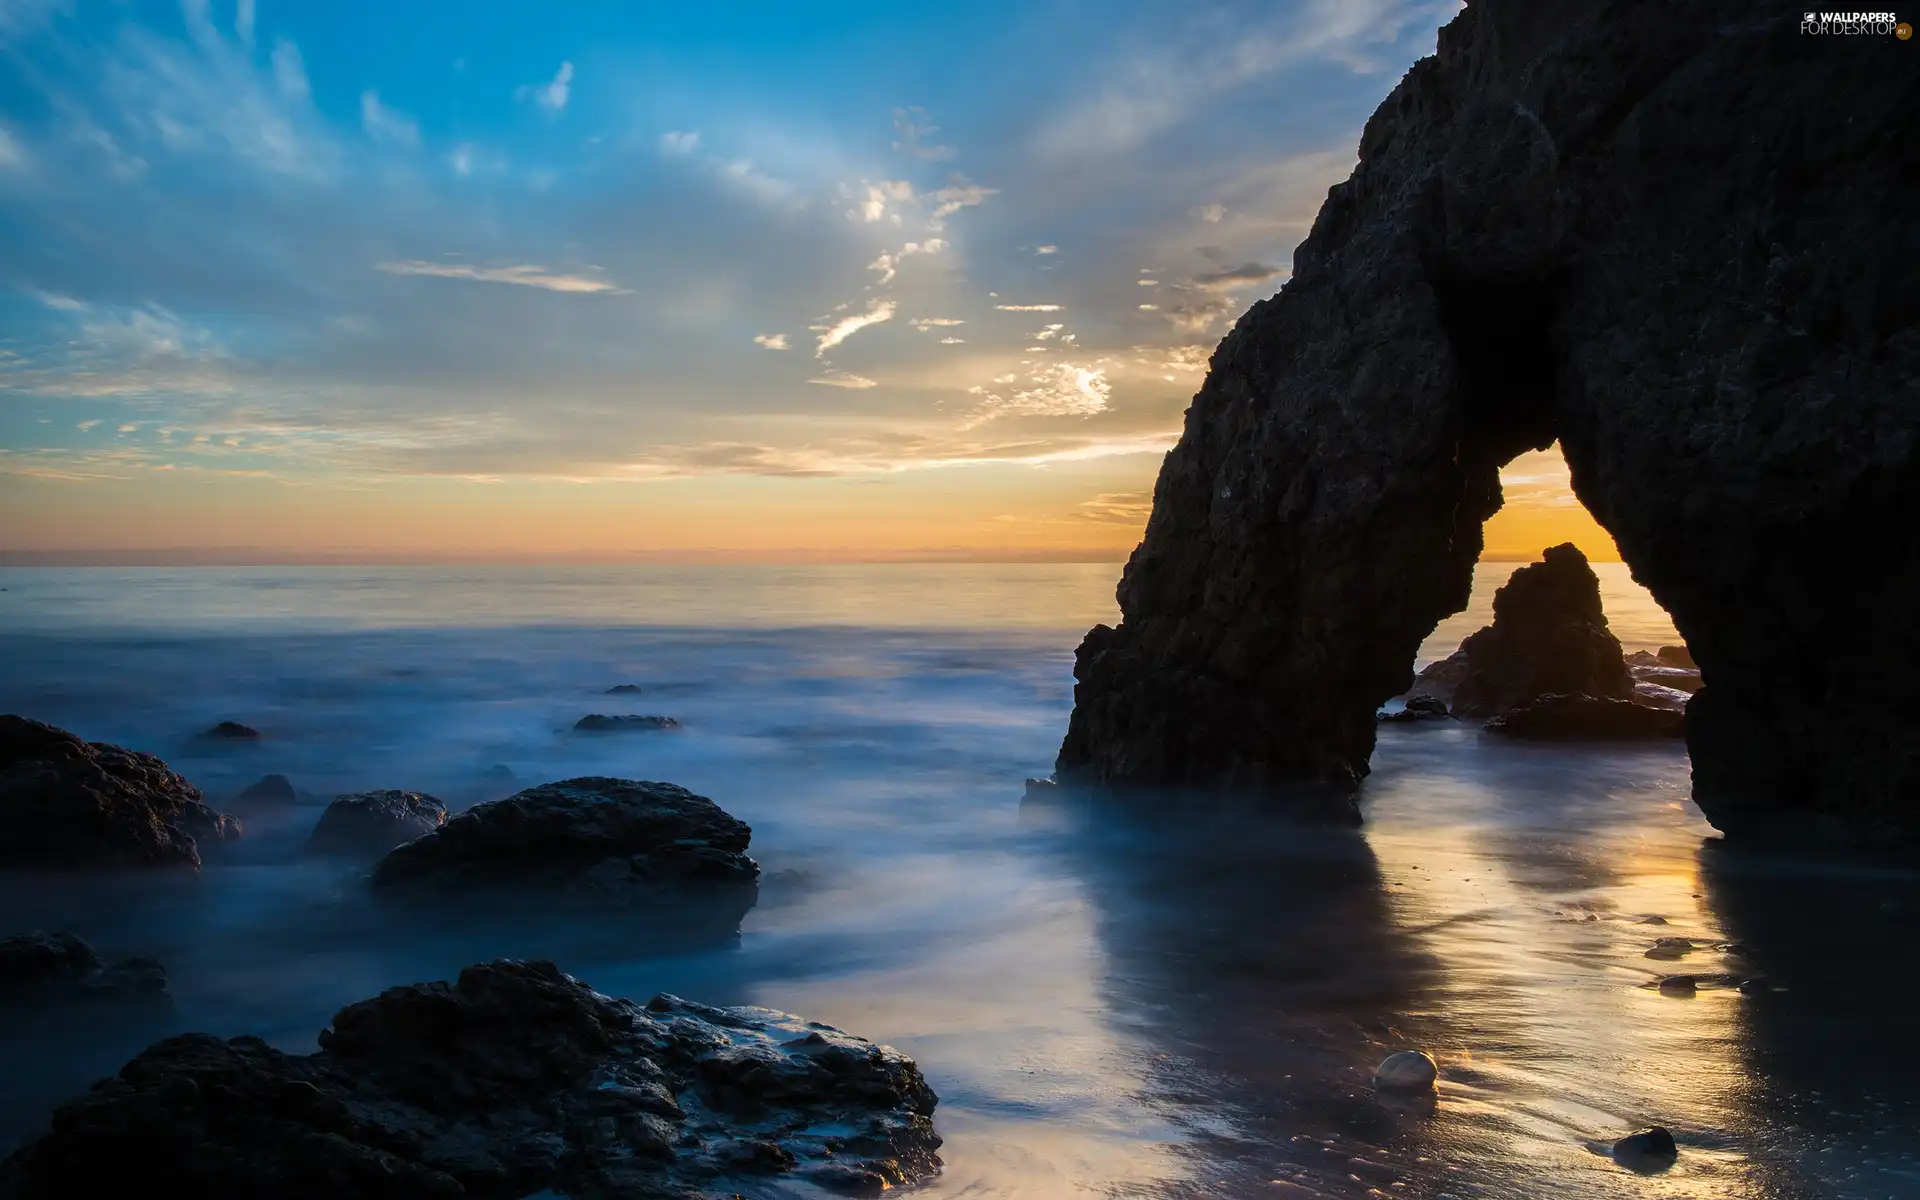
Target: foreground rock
(1549,637)
(372,823)
(628,724)
(59,968)
(66,802)
(594,837)
(1552,234)
(515,1079)
(1588,718)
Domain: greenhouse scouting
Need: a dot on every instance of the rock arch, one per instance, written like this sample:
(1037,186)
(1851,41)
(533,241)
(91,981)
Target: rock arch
(1679,240)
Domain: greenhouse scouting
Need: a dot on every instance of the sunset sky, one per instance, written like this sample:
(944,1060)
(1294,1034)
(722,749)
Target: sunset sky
(600,280)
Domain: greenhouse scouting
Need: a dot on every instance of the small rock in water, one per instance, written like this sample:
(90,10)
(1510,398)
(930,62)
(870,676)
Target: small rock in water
(232,731)
(1650,1148)
(269,791)
(1406,1071)
(1679,985)
(60,967)
(596,723)
(1757,986)
(1418,708)
(1671,948)
(1677,656)
(371,823)
(624,689)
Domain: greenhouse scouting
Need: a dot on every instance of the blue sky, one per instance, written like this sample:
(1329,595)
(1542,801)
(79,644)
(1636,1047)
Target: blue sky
(960,264)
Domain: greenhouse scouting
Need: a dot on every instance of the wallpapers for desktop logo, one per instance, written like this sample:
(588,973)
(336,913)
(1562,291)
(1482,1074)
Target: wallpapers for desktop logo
(1856,23)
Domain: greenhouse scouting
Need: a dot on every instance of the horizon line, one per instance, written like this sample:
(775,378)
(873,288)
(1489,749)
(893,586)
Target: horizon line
(245,556)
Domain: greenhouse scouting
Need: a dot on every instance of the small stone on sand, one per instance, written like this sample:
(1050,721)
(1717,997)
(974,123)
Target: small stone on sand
(1406,1071)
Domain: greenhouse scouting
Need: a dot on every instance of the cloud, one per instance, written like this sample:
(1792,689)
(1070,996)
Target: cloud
(525,276)
(911,124)
(1046,249)
(1028,307)
(1118,508)
(1229,278)
(1054,390)
(741,175)
(387,124)
(952,341)
(888,264)
(290,71)
(772,341)
(954,197)
(832,335)
(552,95)
(1212,214)
(678,141)
(925,323)
(63,303)
(842,379)
(243,15)
(873,206)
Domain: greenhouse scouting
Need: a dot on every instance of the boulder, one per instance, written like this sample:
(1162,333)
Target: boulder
(58,968)
(1677,656)
(513,1080)
(372,823)
(270,791)
(1549,637)
(1647,1150)
(1587,718)
(1438,680)
(1676,241)
(1679,679)
(624,689)
(1419,708)
(628,724)
(65,802)
(1653,695)
(594,837)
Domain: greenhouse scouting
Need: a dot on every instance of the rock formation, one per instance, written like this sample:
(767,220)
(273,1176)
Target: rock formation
(1675,239)
(597,723)
(59,968)
(514,1080)
(1548,637)
(594,838)
(1588,718)
(269,791)
(373,823)
(66,802)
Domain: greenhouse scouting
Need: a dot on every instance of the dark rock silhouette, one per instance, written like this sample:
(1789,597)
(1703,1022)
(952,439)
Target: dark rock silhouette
(1675,240)
(372,823)
(60,968)
(230,731)
(1548,637)
(65,802)
(1649,1150)
(1587,718)
(594,837)
(624,689)
(1677,656)
(515,1079)
(1419,708)
(270,791)
(628,724)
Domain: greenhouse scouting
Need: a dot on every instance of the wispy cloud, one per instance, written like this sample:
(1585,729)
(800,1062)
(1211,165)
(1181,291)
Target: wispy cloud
(772,341)
(833,334)
(1028,307)
(843,379)
(553,94)
(680,141)
(525,276)
(913,128)
(925,323)
(387,124)
(1052,390)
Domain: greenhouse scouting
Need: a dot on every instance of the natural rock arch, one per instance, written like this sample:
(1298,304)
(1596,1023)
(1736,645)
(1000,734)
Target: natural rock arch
(1675,238)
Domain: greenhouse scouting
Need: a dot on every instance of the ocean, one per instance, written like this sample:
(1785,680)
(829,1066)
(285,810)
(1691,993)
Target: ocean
(1108,1004)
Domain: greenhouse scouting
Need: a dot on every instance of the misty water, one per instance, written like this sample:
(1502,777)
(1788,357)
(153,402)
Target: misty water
(1109,1004)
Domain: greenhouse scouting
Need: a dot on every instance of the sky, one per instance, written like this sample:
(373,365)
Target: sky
(648,281)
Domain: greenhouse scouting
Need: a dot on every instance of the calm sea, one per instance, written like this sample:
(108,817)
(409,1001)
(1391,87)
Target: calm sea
(1108,1005)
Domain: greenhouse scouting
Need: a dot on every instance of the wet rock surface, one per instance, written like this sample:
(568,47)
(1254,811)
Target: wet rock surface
(1550,235)
(597,723)
(1549,637)
(1419,708)
(67,802)
(59,967)
(593,837)
(269,791)
(1588,718)
(372,823)
(514,1079)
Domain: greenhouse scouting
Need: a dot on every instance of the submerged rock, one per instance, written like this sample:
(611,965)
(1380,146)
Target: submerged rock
(270,791)
(627,724)
(1653,695)
(624,689)
(1612,230)
(229,731)
(372,823)
(65,802)
(1670,948)
(595,837)
(514,1079)
(1588,718)
(60,967)
(1406,1071)
(1419,708)
(1549,637)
